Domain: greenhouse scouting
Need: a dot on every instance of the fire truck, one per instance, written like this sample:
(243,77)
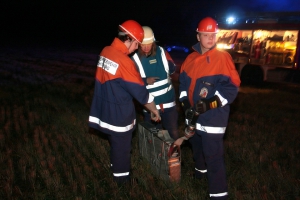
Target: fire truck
(263,47)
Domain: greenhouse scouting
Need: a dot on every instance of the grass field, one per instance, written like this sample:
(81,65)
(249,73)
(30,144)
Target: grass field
(48,151)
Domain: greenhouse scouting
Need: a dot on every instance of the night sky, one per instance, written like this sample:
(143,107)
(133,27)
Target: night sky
(96,22)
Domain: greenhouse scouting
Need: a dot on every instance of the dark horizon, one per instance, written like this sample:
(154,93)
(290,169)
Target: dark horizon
(97,22)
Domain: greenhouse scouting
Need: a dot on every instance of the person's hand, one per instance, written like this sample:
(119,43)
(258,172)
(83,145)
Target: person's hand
(179,141)
(151,80)
(204,105)
(155,116)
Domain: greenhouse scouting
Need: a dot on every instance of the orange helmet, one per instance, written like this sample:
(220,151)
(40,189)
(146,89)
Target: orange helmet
(207,25)
(134,30)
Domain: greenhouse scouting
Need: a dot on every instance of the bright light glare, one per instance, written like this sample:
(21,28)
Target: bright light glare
(224,46)
(230,20)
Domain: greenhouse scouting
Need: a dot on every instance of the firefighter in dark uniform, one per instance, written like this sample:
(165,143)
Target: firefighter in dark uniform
(209,83)
(117,83)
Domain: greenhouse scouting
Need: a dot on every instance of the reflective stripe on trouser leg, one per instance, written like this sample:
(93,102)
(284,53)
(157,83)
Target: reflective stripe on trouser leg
(200,167)
(120,147)
(213,151)
(201,171)
(219,196)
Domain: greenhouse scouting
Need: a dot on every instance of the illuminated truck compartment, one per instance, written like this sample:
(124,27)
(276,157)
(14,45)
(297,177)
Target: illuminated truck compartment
(265,47)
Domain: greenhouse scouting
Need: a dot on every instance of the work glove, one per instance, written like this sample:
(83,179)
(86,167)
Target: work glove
(204,105)
(191,119)
(185,105)
(190,115)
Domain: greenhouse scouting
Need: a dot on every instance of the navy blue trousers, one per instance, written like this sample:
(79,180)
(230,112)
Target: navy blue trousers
(120,148)
(208,153)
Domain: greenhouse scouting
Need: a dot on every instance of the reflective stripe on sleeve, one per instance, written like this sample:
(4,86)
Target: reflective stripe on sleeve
(151,98)
(182,94)
(222,99)
(111,127)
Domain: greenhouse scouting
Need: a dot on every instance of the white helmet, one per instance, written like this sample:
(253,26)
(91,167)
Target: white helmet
(148,35)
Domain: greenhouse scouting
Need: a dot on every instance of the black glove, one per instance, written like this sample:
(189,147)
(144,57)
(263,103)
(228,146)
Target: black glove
(189,114)
(185,105)
(204,105)
(191,117)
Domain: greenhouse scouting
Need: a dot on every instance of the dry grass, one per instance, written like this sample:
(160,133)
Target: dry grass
(48,151)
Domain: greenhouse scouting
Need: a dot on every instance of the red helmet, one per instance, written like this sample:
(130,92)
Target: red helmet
(207,25)
(134,30)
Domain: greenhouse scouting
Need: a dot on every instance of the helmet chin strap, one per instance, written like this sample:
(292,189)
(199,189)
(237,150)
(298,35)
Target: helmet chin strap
(131,42)
(128,43)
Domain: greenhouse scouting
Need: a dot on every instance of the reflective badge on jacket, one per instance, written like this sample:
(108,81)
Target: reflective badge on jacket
(108,65)
(153,61)
(203,92)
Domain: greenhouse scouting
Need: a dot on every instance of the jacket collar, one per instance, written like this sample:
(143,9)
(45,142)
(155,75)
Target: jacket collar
(197,48)
(119,45)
